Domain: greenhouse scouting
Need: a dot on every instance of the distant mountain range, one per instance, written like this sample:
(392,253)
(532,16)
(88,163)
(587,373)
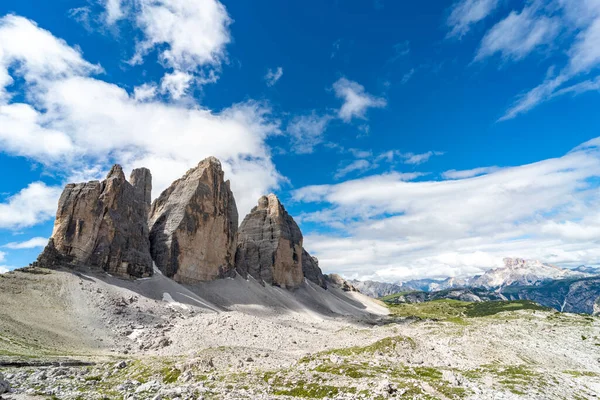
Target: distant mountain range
(569,290)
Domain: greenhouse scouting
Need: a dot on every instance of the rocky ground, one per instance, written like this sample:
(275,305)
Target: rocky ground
(78,336)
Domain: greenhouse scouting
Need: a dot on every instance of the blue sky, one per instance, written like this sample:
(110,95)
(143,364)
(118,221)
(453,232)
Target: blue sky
(407,139)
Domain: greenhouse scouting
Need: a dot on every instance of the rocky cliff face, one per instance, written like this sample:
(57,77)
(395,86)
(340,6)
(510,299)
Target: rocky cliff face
(311,269)
(565,295)
(141,180)
(270,245)
(193,226)
(102,225)
(377,289)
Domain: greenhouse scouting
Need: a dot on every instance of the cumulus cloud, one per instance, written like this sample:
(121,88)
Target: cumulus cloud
(4,269)
(32,205)
(36,53)
(176,84)
(145,92)
(114,10)
(466,13)
(62,127)
(273,76)
(189,36)
(389,228)
(356,100)
(193,32)
(28,244)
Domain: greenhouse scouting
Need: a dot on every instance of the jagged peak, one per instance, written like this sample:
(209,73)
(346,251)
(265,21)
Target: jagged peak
(211,160)
(116,172)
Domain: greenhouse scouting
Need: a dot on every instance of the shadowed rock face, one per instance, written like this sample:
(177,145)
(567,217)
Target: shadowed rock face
(311,270)
(102,225)
(270,245)
(141,180)
(193,226)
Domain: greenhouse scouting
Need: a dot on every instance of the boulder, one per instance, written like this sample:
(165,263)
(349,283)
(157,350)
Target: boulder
(4,385)
(193,226)
(311,270)
(270,245)
(101,225)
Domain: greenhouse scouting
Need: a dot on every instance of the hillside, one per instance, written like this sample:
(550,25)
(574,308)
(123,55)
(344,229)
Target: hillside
(78,335)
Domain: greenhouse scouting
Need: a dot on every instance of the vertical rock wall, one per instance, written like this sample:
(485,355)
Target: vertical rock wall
(193,226)
(102,225)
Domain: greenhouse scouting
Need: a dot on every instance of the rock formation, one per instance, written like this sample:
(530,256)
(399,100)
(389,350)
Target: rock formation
(311,270)
(336,280)
(193,226)
(102,225)
(141,180)
(270,245)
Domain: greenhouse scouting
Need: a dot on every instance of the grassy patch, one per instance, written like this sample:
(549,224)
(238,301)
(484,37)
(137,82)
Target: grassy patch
(170,375)
(457,311)
(579,374)
(383,346)
(308,390)
(488,308)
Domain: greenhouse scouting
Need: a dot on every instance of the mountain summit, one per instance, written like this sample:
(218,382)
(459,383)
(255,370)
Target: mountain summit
(518,271)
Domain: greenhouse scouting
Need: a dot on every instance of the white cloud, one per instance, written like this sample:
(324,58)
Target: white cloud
(407,76)
(519,34)
(307,131)
(32,205)
(356,165)
(145,92)
(176,84)
(4,269)
(356,100)
(468,173)
(2,256)
(466,13)
(63,128)
(415,159)
(22,133)
(585,53)
(190,37)
(389,228)
(581,21)
(529,100)
(28,244)
(195,32)
(114,11)
(273,76)
(366,161)
(36,54)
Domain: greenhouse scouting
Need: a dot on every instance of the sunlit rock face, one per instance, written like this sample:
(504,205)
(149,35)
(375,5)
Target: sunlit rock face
(193,226)
(102,225)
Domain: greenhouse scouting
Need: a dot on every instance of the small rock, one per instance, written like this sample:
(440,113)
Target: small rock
(4,385)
